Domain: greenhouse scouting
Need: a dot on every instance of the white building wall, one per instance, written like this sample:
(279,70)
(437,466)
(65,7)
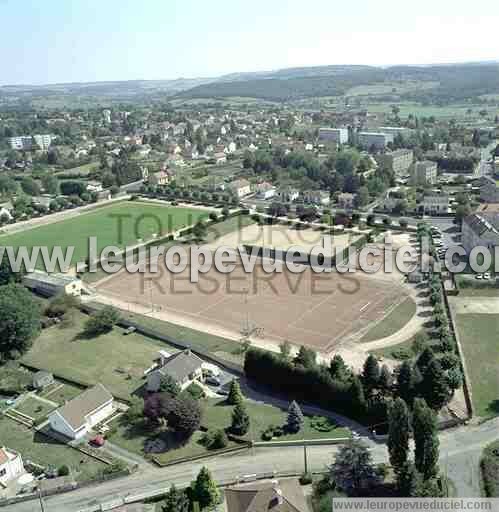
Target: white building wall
(13,468)
(100,415)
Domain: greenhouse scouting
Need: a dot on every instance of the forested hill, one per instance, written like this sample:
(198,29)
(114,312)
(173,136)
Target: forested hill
(451,82)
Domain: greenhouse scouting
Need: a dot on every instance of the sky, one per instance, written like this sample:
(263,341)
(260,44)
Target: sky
(56,41)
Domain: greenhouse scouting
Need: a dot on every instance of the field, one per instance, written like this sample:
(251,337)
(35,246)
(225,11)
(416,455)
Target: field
(115,360)
(393,322)
(319,310)
(34,408)
(478,335)
(139,220)
(45,451)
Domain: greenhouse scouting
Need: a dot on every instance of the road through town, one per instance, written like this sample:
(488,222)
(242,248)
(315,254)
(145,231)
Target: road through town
(460,451)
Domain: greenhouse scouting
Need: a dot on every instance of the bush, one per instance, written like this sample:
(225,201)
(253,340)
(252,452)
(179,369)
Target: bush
(63,471)
(101,321)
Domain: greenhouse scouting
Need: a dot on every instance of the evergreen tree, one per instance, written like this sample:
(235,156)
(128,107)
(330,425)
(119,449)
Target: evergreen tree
(424,426)
(409,481)
(295,418)
(235,396)
(424,359)
(306,357)
(338,369)
(359,403)
(285,349)
(398,435)
(406,382)
(436,388)
(176,500)
(385,378)
(204,490)
(371,373)
(240,420)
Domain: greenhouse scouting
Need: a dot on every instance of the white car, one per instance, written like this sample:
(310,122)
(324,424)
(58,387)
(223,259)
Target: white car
(486,276)
(479,276)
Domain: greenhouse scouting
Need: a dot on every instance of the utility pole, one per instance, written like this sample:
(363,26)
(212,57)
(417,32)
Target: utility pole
(305,457)
(40,497)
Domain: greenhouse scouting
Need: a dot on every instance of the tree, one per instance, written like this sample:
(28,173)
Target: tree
(184,416)
(30,186)
(235,396)
(176,500)
(135,411)
(240,420)
(19,320)
(371,373)
(406,382)
(398,434)
(72,188)
(424,359)
(358,398)
(424,426)
(285,349)
(435,386)
(169,385)
(385,378)
(362,197)
(204,490)
(338,369)
(101,321)
(295,418)
(50,184)
(409,481)
(352,466)
(306,357)
(7,275)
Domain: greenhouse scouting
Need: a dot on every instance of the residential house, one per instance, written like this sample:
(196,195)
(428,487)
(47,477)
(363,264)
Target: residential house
(240,187)
(220,158)
(94,186)
(265,190)
(78,416)
(11,465)
(43,200)
(435,204)
(346,200)
(319,197)
(480,229)
(5,211)
(285,495)
(159,178)
(184,367)
(42,379)
(50,285)
(424,173)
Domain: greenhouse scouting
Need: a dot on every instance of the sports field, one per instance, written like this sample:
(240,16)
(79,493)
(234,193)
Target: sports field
(121,224)
(318,310)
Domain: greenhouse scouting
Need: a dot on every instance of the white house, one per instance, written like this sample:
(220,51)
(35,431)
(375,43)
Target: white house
(78,416)
(11,465)
(52,284)
(241,187)
(94,186)
(265,190)
(184,367)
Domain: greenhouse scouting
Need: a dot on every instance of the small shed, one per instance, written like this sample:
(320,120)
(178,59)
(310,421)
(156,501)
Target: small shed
(42,379)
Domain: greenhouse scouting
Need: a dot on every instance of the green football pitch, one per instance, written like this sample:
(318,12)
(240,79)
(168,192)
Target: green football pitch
(122,224)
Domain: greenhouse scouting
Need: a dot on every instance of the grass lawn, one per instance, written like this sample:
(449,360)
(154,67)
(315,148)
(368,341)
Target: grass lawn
(61,394)
(393,322)
(115,360)
(401,351)
(34,408)
(47,452)
(139,220)
(217,415)
(478,335)
(80,170)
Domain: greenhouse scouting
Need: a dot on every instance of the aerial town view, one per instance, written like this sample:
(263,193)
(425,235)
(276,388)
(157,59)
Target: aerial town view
(249,256)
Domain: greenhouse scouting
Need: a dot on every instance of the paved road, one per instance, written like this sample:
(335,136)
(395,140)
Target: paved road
(460,451)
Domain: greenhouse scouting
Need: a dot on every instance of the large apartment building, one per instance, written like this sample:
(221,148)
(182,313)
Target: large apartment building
(338,135)
(28,142)
(374,139)
(424,173)
(480,229)
(398,161)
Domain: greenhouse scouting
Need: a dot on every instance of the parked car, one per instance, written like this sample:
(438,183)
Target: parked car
(486,275)
(130,330)
(97,441)
(479,276)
